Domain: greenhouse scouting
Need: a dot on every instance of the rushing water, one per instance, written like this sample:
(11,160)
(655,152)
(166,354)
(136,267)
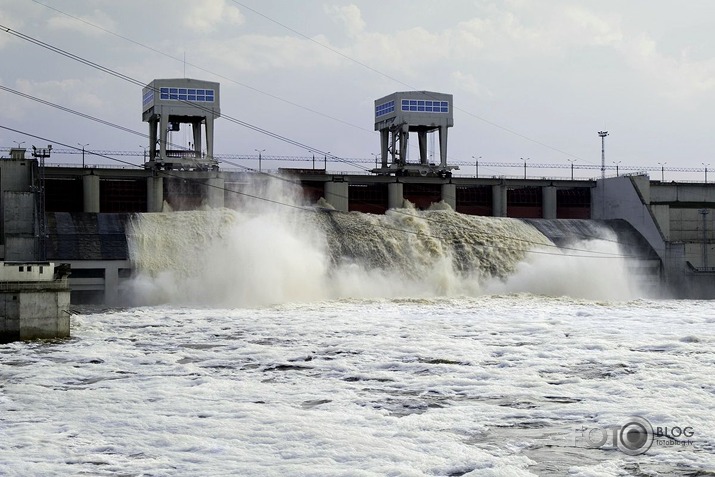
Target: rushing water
(499,385)
(280,341)
(279,251)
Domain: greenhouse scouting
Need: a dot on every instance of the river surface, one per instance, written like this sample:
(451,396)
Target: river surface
(510,384)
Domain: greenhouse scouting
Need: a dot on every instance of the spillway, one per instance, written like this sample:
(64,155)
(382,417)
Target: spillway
(245,258)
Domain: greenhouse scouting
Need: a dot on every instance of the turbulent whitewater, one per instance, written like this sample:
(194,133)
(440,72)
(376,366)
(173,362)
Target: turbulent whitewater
(280,251)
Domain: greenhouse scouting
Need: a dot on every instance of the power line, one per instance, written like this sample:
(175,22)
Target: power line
(591,253)
(322,45)
(385,75)
(136,82)
(205,70)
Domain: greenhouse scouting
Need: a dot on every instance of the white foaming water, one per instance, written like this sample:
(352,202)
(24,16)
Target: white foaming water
(492,386)
(279,251)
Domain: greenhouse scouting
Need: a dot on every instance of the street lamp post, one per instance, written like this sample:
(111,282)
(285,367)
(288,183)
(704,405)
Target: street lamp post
(524,165)
(706,171)
(325,161)
(19,143)
(616,163)
(602,135)
(259,151)
(375,156)
(571,161)
(662,171)
(476,165)
(83,146)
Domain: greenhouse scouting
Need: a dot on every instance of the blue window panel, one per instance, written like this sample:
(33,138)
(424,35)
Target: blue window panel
(164,90)
(164,95)
(428,109)
(445,104)
(420,108)
(191,91)
(191,97)
(445,110)
(182,90)
(173,96)
(413,108)
(174,90)
(420,103)
(200,98)
(413,102)
(182,97)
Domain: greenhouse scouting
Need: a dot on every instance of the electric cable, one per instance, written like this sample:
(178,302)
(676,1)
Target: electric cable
(313,209)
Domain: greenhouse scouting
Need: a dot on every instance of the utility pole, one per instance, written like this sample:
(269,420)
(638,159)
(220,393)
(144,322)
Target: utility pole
(524,165)
(706,171)
(603,135)
(259,151)
(616,163)
(83,146)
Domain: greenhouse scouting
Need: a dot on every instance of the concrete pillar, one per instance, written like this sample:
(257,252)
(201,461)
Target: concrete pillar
(90,187)
(215,193)
(443,146)
(422,142)
(384,146)
(449,195)
(499,201)
(154,194)
(111,284)
(548,202)
(395,197)
(336,194)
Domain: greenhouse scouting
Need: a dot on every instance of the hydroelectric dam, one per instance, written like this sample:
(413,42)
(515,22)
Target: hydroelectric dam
(181,218)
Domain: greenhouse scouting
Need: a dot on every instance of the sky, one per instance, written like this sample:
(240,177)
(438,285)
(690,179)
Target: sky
(531,81)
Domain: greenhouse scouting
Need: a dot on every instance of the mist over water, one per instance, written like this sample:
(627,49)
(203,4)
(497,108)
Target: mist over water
(281,250)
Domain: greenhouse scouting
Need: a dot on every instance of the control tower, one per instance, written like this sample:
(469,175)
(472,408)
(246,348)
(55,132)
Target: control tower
(169,103)
(399,114)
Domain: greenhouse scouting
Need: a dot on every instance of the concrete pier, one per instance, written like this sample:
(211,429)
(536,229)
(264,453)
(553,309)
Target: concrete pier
(154,194)
(548,202)
(90,188)
(336,194)
(499,200)
(215,194)
(395,195)
(449,195)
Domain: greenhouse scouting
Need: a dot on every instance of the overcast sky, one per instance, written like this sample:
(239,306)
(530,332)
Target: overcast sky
(531,79)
